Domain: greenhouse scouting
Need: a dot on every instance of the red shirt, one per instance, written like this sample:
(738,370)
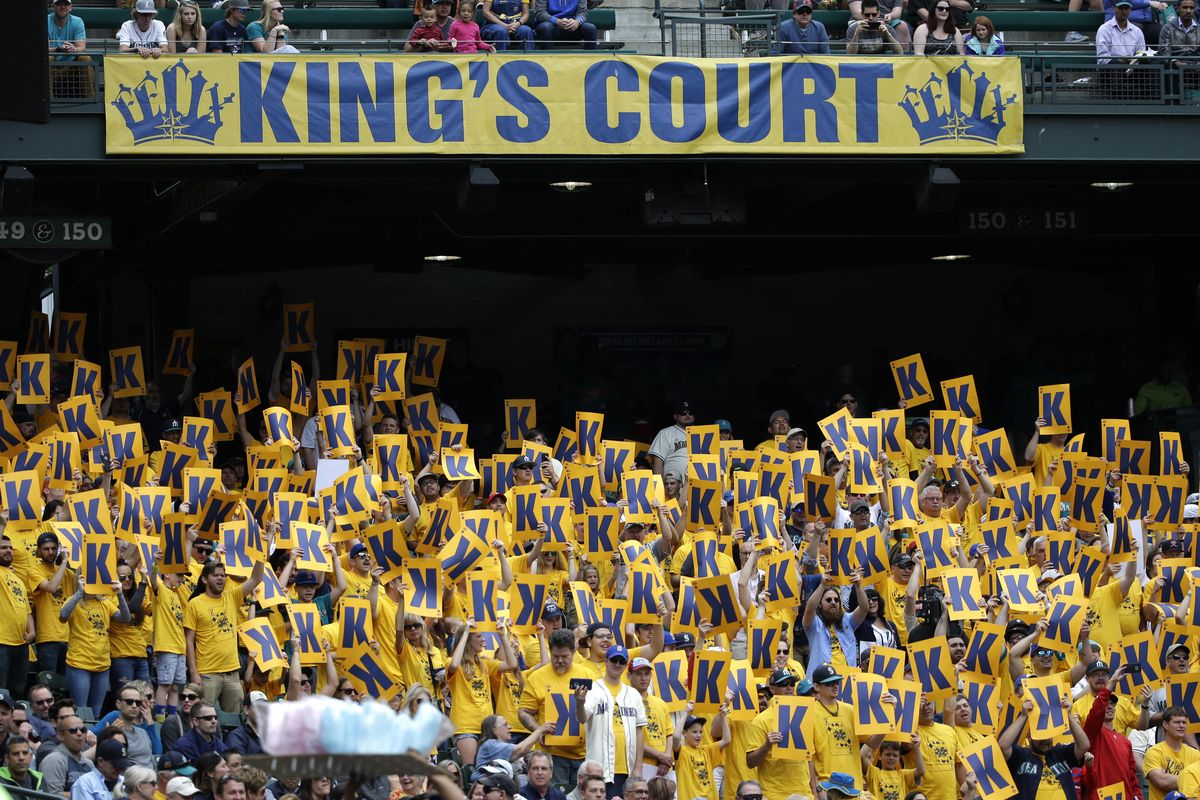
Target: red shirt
(1113,755)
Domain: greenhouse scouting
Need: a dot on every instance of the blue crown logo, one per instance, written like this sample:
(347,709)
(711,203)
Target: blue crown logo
(153,117)
(961,107)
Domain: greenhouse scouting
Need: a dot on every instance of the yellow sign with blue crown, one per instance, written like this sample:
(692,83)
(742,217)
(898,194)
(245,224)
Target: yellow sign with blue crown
(519,104)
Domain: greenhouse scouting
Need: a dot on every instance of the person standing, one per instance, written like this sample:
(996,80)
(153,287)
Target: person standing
(50,583)
(89,658)
(66,33)
(614,719)
(668,451)
(210,632)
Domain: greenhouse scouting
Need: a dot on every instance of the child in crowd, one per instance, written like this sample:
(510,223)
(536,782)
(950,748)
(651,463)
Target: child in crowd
(464,31)
(426,34)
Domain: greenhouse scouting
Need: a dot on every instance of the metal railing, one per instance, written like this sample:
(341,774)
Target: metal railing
(1050,76)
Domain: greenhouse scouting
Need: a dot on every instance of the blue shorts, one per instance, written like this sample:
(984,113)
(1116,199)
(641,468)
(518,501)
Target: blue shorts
(171,668)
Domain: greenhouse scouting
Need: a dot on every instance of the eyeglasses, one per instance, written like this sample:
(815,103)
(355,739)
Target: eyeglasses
(189,696)
(207,718)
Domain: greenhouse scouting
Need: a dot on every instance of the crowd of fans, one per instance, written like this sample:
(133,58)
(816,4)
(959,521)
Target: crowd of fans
(877,27)
(1028,624)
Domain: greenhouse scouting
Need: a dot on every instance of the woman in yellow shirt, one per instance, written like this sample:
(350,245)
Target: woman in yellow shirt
(552,563)
(469,677)
(89,617)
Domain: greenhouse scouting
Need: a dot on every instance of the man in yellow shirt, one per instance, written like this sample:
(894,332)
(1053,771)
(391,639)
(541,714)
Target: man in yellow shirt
(1042,454)
(210,623)
(1166,760)
(660,727)
(939,749)
(50,583)
(16,623)
(780,777)
(778,425)
(538,705)
(358,574)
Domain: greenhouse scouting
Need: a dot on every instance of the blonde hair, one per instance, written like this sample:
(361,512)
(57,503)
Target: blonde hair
(197,27)
(138,774)
(265,19)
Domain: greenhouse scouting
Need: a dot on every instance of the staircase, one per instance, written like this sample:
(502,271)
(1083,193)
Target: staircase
(636,26)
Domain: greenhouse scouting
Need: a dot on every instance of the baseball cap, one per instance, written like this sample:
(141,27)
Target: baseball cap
(617,651)
(172,425)
(825,674)
(1050,575)
(780,414)
(782,677)
(1123,3)
(176,762)
(48,537)
(639,663)
(1176,646)
(495,496)
(685,639)
(62,2)
(181,786)
(522,461)
(428,476)
(724,425)
(693,720)
(498,767)
(257,697)
(147,7)
(6,698)
(1097,666)
(803,4)
(684,408)
(919,421)
(242,4)
(804,687)
(551,610)
(1191,511)
(796,432)
(358,549)
(112,750)
(860,505)
(1172,795)
(1016,627)
(306,578)
(501,782)
(668,640)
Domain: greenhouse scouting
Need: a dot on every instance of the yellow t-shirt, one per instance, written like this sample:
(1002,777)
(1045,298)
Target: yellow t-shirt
(1049,786)
(418,666)
(471,697)
(837,657)
(357,585)
(736,768)
(914,457)
(939,749)
(536,700)
(89,624)
(694,771)
(1042,457)
(1161,756)
(46,605)
(385,633)
(889,784)
(966,736)
(1189,780)
(660,727)
(214,619)
(1103,613)
(779,777)
(621,766)
(14,607)
(168,621)
(127,640)
(893,595)
(835,743)
(1131,610)
(506,691)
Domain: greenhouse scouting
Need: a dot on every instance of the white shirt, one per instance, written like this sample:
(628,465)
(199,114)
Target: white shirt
(671,446)
(131,35)
(601,743)
(1113,42)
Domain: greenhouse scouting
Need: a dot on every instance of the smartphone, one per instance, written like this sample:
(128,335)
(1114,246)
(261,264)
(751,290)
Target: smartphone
(586,683)
(1134,668)
(873,24)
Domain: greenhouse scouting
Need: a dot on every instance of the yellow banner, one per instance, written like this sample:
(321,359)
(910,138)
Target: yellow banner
(518,104)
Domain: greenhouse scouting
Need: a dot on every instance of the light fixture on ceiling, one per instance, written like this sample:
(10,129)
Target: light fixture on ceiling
(951,257)
(571,186)
(443,259)
(1112,186)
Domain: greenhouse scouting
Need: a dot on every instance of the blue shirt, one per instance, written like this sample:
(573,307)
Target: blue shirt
(819,651)
(792,40)
(73,31)
(225,38)
(92,787)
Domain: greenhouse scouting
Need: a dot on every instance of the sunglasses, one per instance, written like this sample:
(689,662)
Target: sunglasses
(42,702)
(130,702)
(412,626)
(190,696)
(750,796)
(79,729)
(305,682)
(204,550)
(207,718)
(349,690)
(620,661)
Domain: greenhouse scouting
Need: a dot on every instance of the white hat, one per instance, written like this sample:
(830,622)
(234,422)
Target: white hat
(180,785)
(257,696)
(145,7)
(1191,511)
(498,767)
